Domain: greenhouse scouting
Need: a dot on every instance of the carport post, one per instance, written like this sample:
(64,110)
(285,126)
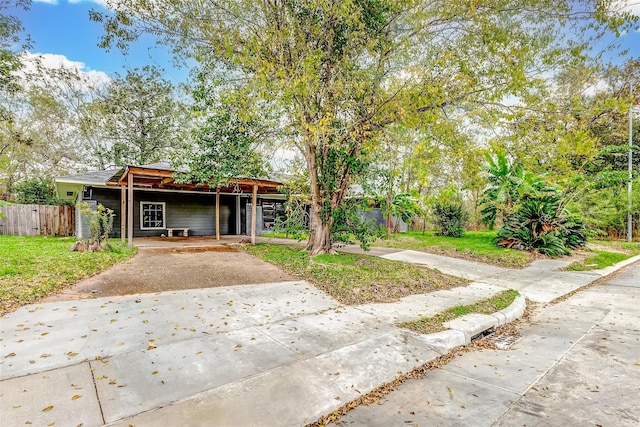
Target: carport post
(254,210)
(123,212)
(130,209)
(218,213)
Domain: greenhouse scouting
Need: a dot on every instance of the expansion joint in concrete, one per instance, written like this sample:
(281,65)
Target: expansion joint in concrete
(95,389)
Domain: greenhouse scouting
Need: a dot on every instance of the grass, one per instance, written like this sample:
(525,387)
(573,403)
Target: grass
(429,325)
(282,235)
(33,267)
(356,279)
(474,246)
(606,253)
(601,259)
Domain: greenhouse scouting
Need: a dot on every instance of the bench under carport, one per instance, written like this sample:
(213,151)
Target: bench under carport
(185,231)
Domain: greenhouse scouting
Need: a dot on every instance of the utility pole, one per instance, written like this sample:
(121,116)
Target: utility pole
(630,185)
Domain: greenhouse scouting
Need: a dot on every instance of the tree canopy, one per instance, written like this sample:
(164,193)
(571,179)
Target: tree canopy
(339,72)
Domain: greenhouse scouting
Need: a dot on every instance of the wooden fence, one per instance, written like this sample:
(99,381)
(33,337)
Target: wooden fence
(37,220)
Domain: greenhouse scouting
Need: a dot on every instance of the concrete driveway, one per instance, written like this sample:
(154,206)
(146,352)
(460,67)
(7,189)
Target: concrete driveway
(162,266)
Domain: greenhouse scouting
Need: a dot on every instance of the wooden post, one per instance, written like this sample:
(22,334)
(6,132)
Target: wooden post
(238,218)
(123,213)
(130,210)
(254,210)
(217,213)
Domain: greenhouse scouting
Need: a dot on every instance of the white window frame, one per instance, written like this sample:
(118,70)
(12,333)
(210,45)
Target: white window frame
(164,215)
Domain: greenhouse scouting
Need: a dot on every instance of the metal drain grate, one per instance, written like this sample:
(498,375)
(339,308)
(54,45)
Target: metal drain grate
(503,342)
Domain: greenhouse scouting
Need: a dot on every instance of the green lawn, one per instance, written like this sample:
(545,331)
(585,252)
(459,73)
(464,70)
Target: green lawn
(356,279)
(34,267)
(474,245)
(605,254)
(429,325)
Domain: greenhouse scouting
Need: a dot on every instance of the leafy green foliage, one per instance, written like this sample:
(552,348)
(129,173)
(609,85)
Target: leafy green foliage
(449,213)
(349,225)
(405,206)
(100,223)
(539,223)
(225,147)
(3,203)
(508,182)
(36,191)
(138,120)
(10,60)
(339,73)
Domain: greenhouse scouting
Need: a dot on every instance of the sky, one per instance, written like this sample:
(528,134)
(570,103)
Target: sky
(62,32)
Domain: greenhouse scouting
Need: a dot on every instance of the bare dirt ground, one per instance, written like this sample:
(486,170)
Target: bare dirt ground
(168,269)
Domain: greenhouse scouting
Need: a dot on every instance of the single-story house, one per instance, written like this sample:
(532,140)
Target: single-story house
(148,202)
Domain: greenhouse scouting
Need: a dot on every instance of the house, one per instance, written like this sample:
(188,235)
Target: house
(148,202)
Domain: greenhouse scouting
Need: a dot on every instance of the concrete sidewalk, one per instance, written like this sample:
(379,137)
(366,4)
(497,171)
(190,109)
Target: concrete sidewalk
(268,354)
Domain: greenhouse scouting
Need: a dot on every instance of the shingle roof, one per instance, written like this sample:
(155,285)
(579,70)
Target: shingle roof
(91,177)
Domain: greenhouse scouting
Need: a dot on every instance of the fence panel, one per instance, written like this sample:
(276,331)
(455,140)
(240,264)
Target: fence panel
(34,220)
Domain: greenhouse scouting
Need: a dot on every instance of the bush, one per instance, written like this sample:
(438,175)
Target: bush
(36,191)
(100,222)
(539,224)
(449,214)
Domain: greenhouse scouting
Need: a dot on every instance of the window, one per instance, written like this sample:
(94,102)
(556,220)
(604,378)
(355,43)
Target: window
(152,215)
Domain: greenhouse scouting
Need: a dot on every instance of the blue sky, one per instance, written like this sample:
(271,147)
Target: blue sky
(62,27)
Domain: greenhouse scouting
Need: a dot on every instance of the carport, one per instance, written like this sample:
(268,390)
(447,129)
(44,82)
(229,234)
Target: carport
(160,177)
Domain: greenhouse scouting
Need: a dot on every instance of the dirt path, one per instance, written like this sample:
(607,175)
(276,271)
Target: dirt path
(170,269)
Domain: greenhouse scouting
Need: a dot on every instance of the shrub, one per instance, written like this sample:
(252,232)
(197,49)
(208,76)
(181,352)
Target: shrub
(449,213)
(36,191)
(100,223)
(540,224)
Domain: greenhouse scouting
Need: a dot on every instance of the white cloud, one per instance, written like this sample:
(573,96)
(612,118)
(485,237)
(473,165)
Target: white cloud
(632,6)
(46,1)
(55,61)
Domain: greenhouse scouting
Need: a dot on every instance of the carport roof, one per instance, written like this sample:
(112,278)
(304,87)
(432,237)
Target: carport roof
(161,176)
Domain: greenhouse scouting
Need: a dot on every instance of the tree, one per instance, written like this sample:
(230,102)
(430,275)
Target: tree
(36,191)
(138,120)
(226,143)
(10,60)
(340,71)
(40,137)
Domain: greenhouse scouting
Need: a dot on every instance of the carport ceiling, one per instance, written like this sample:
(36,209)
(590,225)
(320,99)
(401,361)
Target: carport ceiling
(164,179)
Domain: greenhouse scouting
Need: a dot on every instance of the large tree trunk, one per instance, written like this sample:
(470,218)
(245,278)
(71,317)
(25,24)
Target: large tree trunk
(320,236)
(320,228)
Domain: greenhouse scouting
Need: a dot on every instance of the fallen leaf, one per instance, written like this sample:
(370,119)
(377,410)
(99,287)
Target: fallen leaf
(72,354)
(154,373)
(52,423)
(75,397)
(152,345)
(48,408)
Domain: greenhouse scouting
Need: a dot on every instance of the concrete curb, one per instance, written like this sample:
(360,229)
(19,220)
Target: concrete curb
(464,328)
